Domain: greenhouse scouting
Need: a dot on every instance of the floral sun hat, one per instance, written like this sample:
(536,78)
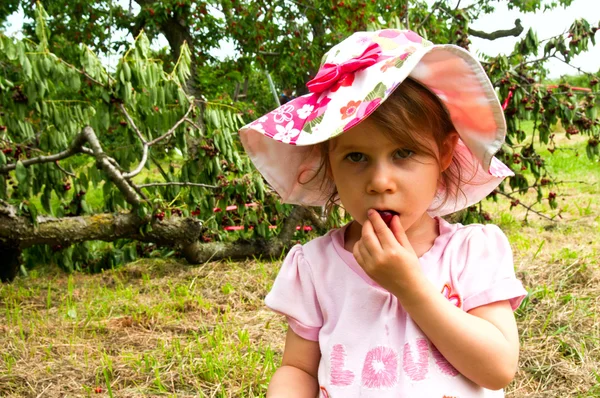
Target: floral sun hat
(355,77)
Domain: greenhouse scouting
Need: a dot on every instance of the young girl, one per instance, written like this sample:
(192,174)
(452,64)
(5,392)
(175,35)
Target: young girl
(399,302)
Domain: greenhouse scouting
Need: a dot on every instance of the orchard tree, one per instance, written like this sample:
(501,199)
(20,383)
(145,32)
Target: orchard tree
(147,157)
(70,128)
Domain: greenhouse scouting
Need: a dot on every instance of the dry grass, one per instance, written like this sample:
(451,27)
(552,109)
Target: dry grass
(161,328)
(151,329)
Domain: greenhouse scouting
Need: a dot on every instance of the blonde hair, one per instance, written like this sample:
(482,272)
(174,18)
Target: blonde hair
(409,112)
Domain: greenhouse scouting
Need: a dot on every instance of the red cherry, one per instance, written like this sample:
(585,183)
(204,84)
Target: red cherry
(387,216)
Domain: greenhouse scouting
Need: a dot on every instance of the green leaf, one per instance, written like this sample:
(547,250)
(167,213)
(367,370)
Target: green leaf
(86,208)
(75,82)
(45,199)
(126,71)
(33,213)
(27,68)
(21,172)
(11,50)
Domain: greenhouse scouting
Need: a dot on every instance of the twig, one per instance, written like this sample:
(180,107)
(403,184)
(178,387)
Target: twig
(147,145)
(573,66)
(22,145)
(63,170)
(44,390)
(132,123)
(168,133)
(527,207)
(80,71)
(190,121)
(73,149)
(180,183)
(138,190)
(433,8)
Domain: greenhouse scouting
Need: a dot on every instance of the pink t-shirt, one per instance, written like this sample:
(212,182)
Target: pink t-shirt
(370,346)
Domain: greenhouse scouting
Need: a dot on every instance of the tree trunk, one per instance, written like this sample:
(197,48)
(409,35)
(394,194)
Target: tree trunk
(18,232)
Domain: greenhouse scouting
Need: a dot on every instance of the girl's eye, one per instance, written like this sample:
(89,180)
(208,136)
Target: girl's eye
(403,153)
(355,157)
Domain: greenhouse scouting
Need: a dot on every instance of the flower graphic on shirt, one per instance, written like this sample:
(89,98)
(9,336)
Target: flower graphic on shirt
(380,368)
(263,118)
(283,113)
(349,109)
(305,111)
(454,298)
(287,133)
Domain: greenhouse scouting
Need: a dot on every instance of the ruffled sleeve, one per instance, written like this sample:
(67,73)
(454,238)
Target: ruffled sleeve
(488,275)
(293,295)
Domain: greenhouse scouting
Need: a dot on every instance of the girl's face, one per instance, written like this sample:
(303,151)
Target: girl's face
(370,171)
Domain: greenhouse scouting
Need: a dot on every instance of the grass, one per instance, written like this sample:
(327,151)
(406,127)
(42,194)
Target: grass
(162,328)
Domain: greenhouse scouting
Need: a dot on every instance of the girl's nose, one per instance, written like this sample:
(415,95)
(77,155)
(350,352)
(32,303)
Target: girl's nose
(381,179)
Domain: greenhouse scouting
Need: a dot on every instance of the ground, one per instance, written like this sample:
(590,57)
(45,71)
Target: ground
(163,328)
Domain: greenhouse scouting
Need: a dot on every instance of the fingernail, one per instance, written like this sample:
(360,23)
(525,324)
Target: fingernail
(370,212)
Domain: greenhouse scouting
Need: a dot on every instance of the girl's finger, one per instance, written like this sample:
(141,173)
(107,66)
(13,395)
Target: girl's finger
(381,230)
(357,255)
(364,254)
(369,239)
(399,233)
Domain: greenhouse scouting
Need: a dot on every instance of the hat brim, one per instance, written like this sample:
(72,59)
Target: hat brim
(281,144)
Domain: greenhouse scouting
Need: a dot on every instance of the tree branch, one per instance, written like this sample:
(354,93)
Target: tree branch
(178,183)
(63,170)
(433,8)
(132,123)
(197,253)
(516,31)
(73,149)
(114,175)
(525,206)
(172,130)
(106,227)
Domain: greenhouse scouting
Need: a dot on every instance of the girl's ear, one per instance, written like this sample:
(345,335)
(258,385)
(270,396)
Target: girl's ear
(448,150)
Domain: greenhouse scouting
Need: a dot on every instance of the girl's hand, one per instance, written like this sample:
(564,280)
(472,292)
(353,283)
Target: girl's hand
(385,253)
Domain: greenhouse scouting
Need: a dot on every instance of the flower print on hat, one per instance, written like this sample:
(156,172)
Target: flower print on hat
(287,133)
(283,113)
(349,109)
(356,76)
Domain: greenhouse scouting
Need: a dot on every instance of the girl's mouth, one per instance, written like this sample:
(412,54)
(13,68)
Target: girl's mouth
(387,216)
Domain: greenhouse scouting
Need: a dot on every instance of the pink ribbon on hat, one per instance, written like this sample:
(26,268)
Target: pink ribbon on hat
(329,74)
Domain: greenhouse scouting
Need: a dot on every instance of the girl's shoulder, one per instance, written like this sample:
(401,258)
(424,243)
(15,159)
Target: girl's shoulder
(325,249)
(460,232)
(474,242)
(326,241)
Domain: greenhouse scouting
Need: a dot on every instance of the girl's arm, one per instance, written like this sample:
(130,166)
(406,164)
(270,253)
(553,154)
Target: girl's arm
(482,344)
(297,376)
